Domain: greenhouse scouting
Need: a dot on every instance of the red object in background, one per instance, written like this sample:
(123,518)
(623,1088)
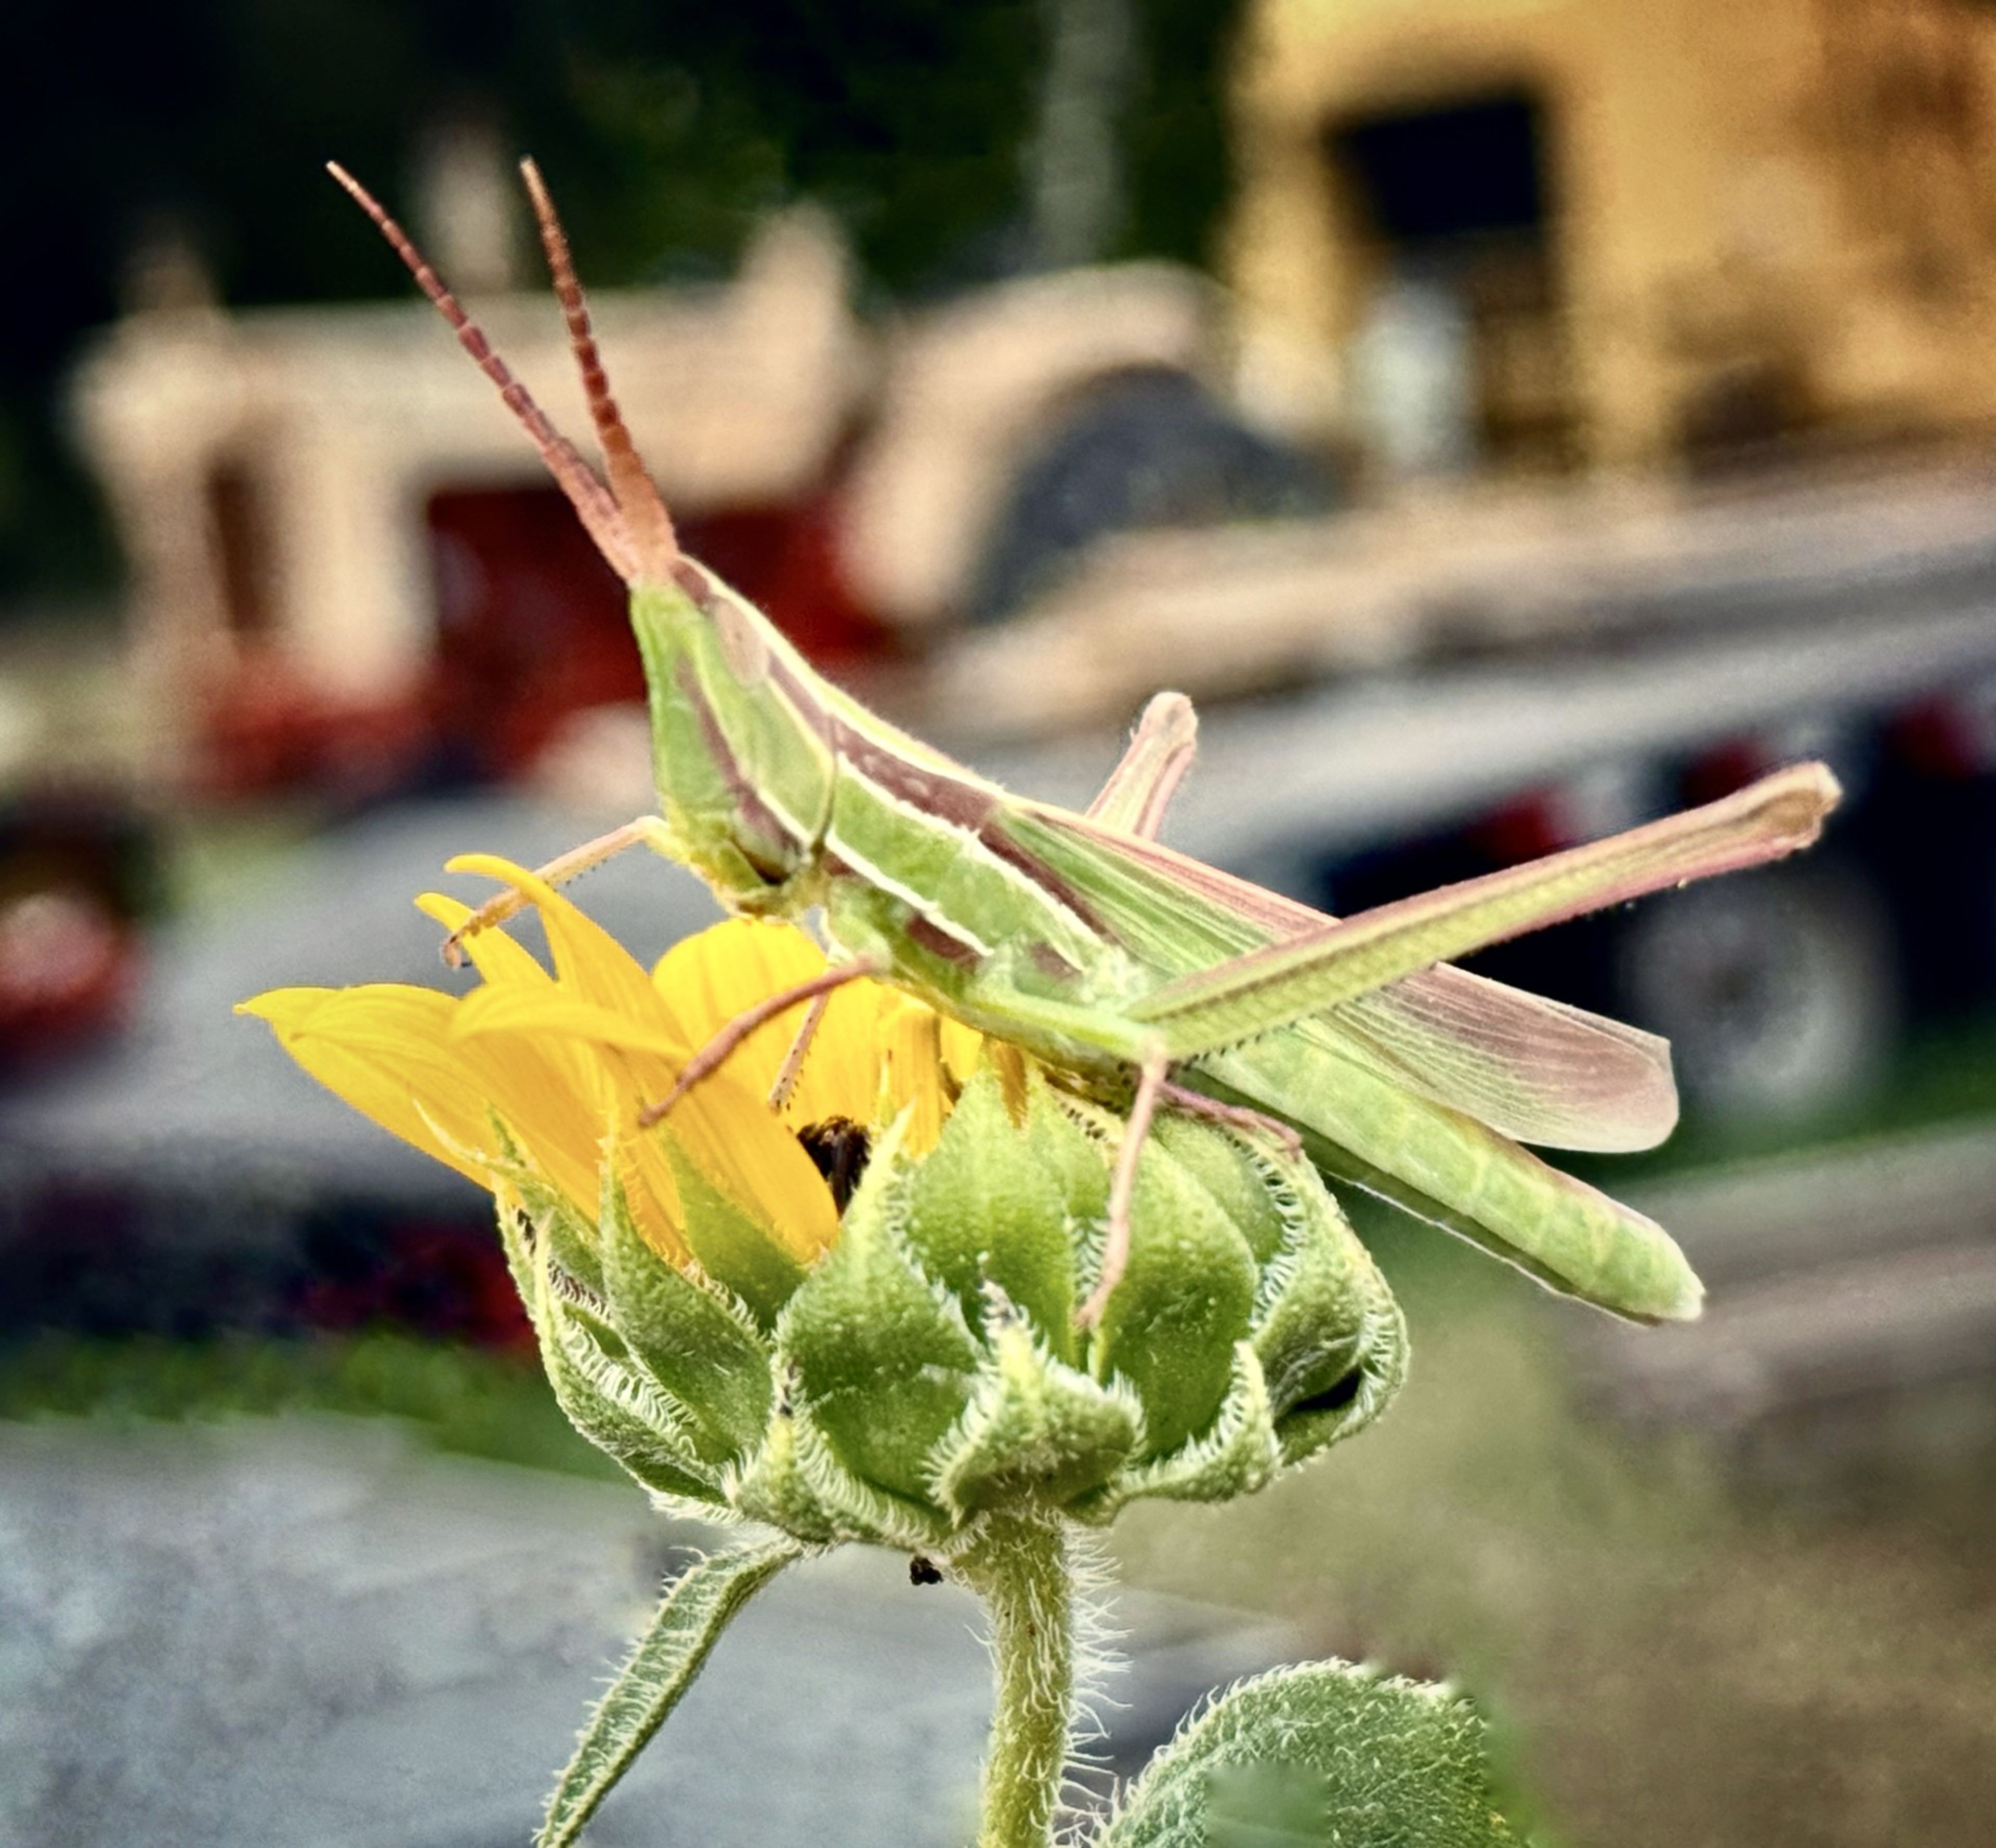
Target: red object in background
(79,875)
(785,560)
(531,628)
(1949,736)
(532,625)
(439,1278)
(267,729)
(1718,772)
(69,969)
(1527,829)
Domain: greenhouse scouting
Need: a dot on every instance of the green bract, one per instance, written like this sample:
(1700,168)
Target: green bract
(928,1370)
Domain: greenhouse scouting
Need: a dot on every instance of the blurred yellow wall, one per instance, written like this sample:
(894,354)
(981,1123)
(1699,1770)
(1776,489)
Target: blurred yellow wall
(1782,213)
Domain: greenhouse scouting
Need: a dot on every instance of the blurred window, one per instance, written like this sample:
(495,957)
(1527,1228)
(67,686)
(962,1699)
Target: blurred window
(1461,356)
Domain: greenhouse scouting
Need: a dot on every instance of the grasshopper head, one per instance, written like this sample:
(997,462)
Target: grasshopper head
(627,519)
(742,772)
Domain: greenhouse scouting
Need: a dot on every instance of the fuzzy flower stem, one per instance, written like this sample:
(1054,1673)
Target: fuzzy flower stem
(1020,1566)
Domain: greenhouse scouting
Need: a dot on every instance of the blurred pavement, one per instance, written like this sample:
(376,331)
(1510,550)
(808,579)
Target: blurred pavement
(308,1632)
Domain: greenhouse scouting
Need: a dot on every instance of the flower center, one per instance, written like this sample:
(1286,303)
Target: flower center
(838,1148)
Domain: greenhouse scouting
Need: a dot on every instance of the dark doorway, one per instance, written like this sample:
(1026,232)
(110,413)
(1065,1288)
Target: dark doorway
(1465,170)
(1455,201)
(243,546)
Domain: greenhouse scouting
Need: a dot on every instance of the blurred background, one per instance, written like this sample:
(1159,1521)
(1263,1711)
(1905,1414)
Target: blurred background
(1510,419)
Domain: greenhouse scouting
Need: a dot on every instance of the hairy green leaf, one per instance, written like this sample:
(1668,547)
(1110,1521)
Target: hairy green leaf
(883,1357)
(1322,1755)
(698,1605)
(693,1340)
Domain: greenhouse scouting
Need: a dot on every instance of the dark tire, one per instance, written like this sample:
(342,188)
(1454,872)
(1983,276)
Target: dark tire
(1778,990)
(1145,449)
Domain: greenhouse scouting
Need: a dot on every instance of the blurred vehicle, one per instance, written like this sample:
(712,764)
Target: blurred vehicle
(1649,237)
(1611,315)
(349,572)
(80,875)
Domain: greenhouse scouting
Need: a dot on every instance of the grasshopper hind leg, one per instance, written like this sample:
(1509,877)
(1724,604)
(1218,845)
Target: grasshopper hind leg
(1123,1184)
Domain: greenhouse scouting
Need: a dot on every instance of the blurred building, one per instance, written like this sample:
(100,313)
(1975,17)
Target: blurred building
(1648,231)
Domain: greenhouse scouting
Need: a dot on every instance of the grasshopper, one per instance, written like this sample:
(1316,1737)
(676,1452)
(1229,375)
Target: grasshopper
(1133,972)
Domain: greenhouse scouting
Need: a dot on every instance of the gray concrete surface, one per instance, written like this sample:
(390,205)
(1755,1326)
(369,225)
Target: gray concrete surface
(1862,1273)
(308,1632)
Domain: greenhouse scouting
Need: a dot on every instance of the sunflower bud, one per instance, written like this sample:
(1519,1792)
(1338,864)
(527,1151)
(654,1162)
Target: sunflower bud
(928,1368)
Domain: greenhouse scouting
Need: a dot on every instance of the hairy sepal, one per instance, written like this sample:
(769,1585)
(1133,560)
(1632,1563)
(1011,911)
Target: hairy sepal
(612,1404)
(798,1482)
(1185,1298)
(1236,1455)
(695,1340)
(986,1206)
(1326,1329)
(1035,1428)
(882,1352)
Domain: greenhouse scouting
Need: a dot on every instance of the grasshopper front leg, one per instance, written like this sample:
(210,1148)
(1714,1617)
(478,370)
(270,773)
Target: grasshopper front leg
(1134,798)
(714,1053)
(648,831)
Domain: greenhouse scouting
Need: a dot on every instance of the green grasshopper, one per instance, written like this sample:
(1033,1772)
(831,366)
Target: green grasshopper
(1136,973)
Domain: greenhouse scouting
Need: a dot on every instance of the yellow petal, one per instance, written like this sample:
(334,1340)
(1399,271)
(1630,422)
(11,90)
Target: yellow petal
(911,1073)
(741,1145)
(554,1098)
(962,1047)
(841,1075)
(550,1010)
(388,1050)
(382,1048)
(562,1084)
(727,1130)
(713,977)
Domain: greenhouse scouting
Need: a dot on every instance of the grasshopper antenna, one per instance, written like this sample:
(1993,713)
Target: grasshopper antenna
(646,519)
(594,504)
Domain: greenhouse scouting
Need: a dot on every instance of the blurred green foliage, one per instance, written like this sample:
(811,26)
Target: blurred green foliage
(666,128)
(469,1400)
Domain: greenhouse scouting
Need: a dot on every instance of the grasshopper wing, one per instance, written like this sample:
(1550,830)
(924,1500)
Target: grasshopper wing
(1536,1070)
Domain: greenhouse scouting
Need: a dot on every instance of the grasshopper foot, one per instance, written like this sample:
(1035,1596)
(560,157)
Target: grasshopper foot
(495,910)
